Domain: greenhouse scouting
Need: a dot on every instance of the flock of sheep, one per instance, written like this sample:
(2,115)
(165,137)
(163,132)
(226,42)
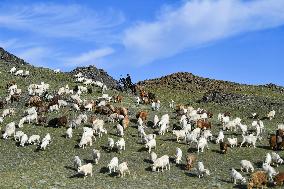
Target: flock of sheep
(195,129)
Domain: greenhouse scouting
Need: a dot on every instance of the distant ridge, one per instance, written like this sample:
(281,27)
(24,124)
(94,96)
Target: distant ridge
(189,82)
(10,58)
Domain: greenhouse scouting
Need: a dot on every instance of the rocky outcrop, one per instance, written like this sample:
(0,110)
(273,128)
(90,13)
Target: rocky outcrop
(10,58)
(189,82)
(97,75)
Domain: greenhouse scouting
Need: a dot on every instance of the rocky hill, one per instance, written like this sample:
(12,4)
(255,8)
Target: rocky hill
(189,82)
(10,58)
(90,71)
(97,75)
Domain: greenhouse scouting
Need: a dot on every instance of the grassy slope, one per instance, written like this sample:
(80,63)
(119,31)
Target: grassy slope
(23,167)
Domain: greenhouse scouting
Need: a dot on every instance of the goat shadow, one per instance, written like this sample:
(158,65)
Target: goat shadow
(106,149)
(104,170)
(149,169)
(265,147)
(69,167)
(147,161)
(192,150)
(217,151)
(77,175)
(88,161)
(181,166)
(143,149)
(190,174)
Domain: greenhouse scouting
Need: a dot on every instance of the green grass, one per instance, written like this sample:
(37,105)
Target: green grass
(26,167)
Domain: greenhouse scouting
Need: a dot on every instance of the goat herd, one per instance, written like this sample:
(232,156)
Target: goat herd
(194,123)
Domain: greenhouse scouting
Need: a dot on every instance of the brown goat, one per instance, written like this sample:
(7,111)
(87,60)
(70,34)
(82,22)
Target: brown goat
(203,124)
(122,111)
(190,160)
(223,147)
(34,101)
(279,179)
(273,142)
(258,179)
(125,122)
(143,115)
(118,98)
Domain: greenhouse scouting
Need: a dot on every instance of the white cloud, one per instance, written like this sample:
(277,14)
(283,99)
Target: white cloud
(199,22)
(53,20)
(89,58)
(38,56)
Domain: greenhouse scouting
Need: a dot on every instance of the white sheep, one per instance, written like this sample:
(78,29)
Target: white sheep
(162,162)
(153,157)
(113,165)
(249,139)
(19,72)
(86,169)
(123,169)
(89,107)
(44,144)
(84,141)
(147,138)
(197,132)
(191,138)
(141,131)
(220,137)
(88,132)
(140,121)
(178,155)
(186,126)
(69,132)
(271,114)
(24,140)
(96,156)
(53,108)
(9,130)
(233,142)
(163,129)
(269,170)
(165,120)
(1,120)
(8,112)
(30,111)
(202,143)
(110,143)
(34,139)
(18,135)
(156,121)
(77,162)
(62,103)
(276,158)
(12,70)
(119,130)
(120,144)
(235,176)
(201,170)
(247,165)
(30,118)
(47,138)
(268,159)
(76,106)
(207,134)
(180,134)
(138,100)
(151,144)
(244,128)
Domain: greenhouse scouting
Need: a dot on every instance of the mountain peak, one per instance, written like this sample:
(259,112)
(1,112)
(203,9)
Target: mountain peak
(10,58)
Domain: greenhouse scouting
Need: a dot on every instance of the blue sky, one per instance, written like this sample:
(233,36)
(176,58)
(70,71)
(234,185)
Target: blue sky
(236,40)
